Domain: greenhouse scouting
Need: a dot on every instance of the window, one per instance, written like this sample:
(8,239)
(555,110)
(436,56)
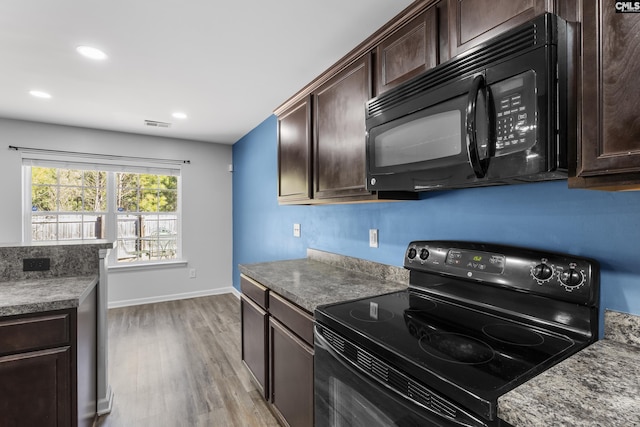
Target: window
(67,204)
(147,219)
(138,210)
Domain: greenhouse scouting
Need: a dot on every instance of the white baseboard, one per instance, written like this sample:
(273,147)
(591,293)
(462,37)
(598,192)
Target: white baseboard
(235,292)
(173,297)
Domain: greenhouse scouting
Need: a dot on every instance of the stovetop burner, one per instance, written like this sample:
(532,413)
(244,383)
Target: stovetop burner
(513,334)
(456,348)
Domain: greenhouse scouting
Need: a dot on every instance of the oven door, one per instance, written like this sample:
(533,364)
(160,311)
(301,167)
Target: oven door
(346,397)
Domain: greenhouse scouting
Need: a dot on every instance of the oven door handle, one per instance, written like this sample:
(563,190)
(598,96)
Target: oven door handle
(480,155)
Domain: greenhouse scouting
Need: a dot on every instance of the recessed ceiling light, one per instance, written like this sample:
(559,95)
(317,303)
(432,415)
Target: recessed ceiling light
(39,94)
(179,115)
(91,52)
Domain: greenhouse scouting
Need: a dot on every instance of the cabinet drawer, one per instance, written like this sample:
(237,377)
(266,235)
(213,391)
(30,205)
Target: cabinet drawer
(296,319)
(29,333)
(254,290)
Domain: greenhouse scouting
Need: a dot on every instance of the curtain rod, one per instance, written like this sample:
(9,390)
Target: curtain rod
(97,156)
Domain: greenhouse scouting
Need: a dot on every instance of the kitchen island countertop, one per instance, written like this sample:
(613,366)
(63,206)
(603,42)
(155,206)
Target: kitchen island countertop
(38,295)
(598,386)
(324,278)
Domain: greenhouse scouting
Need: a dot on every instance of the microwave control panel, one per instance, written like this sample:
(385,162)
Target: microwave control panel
(515,103)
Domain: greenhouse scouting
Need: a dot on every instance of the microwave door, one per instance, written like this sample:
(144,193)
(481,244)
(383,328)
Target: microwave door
(429,148)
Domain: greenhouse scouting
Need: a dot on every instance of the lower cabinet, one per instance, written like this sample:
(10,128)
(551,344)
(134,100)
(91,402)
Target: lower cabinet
(35,388)
(254,341)
(291,361)
(291,376)
(277,348)
(48,368)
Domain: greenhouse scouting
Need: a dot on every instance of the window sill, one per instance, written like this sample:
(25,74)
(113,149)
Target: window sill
(147,265)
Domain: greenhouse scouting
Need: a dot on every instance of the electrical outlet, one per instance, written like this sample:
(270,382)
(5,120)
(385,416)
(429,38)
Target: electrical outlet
(36,264)
(296,230)
(192,273)
(373,238)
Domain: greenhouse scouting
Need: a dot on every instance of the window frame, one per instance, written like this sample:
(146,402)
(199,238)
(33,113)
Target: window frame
(111,214)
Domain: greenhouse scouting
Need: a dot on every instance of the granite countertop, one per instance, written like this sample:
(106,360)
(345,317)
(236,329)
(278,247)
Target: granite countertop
(598,386)
(37,295)
(324,278)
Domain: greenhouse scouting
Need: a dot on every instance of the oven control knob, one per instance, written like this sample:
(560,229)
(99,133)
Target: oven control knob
(424,254)
(542,272)
(412,253)
(571,278)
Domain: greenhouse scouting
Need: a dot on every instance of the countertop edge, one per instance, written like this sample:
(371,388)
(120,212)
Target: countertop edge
(88,290)
(81,288)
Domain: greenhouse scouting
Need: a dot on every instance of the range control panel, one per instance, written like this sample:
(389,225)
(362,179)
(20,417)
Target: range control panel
(550,274)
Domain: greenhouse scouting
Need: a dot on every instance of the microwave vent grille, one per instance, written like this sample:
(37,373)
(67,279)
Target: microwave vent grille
(510,45)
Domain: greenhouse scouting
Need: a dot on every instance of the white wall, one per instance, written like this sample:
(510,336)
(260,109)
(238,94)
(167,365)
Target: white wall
(206,205)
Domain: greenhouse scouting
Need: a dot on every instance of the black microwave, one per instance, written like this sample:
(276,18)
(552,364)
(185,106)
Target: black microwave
(501,113)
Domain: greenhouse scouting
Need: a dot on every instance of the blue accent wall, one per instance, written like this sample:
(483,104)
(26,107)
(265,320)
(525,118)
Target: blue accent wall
(601,225)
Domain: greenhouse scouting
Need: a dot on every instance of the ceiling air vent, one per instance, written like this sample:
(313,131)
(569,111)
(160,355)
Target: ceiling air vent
(157,124)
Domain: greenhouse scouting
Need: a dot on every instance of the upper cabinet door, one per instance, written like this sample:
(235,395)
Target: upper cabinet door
(609,149)
(339,136)
(472,22)
(294,153)
(408,52)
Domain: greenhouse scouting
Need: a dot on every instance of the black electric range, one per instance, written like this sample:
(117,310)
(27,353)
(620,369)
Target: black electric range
(476,321)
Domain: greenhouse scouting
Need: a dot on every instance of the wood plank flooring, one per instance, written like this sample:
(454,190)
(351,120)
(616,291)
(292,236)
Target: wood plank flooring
(177,363)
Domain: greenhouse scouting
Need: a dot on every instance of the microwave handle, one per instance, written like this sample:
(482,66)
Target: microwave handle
(480,165)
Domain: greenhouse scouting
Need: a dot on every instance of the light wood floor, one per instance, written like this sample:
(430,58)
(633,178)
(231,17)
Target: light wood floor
(178,364)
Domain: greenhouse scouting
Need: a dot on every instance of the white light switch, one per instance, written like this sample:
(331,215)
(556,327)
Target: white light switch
(296,230)
(373,238)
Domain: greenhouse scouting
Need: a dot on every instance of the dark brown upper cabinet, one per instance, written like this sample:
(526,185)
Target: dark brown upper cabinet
(472,22)
(294,153)
(609,147)
(339,133)
(321,129)
(408,52)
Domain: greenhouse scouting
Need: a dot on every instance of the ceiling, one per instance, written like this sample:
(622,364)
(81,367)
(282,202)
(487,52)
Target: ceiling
(227,65)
